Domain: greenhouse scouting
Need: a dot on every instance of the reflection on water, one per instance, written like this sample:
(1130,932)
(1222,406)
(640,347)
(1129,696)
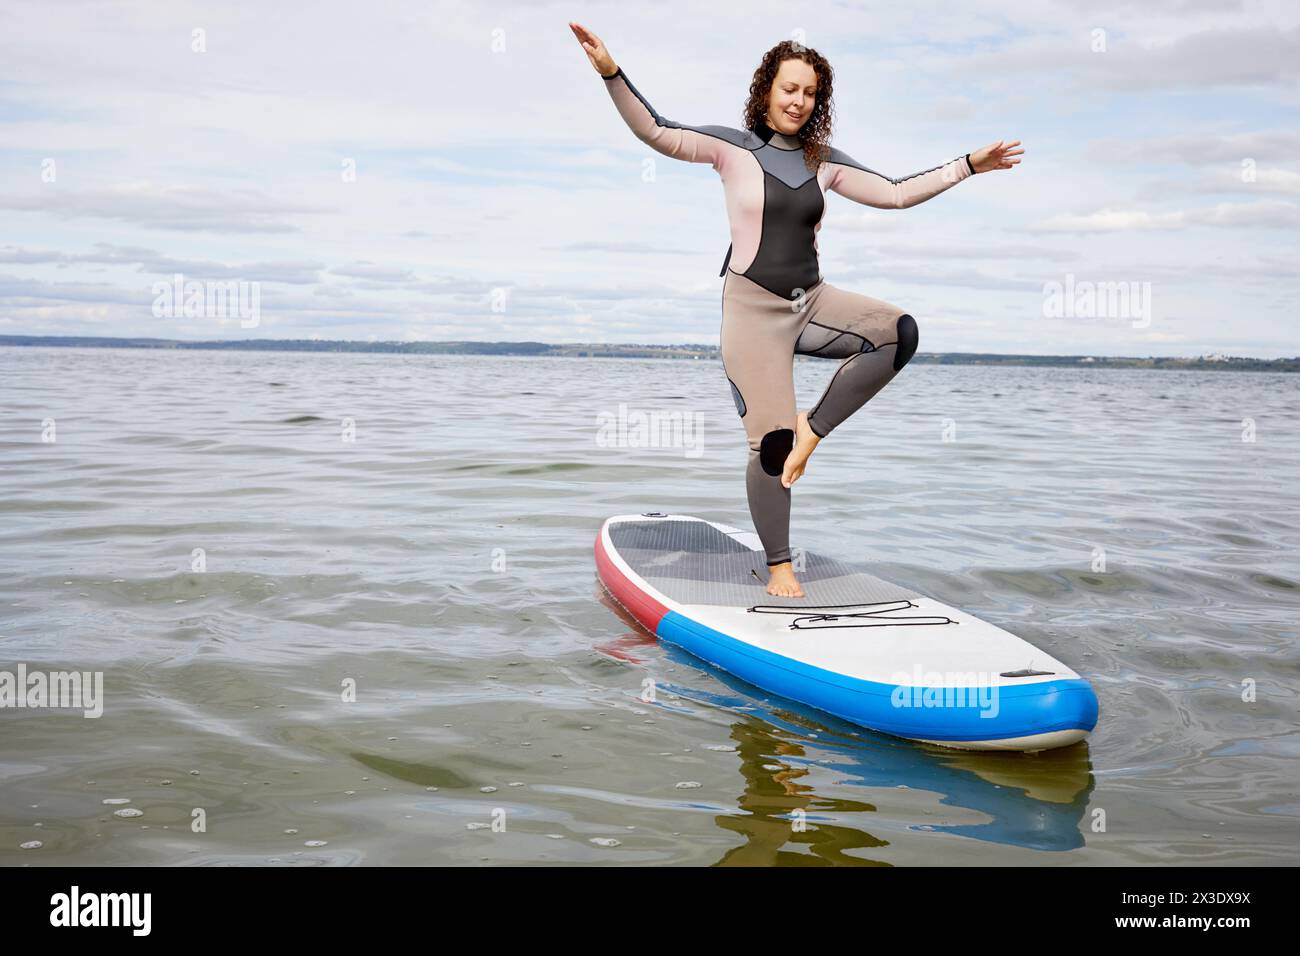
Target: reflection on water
(1029,801)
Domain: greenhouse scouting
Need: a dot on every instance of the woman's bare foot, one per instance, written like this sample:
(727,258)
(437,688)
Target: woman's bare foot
(805,440)
(781,581)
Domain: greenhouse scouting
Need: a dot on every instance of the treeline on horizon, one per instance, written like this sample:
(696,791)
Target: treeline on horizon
(633,350)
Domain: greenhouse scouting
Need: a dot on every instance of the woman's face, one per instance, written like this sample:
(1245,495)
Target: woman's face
(792,98)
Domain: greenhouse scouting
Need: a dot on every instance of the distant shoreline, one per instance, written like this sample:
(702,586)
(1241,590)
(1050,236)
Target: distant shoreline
(678,352)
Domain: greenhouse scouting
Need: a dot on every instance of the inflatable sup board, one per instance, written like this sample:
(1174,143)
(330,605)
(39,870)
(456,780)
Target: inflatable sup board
(856,646)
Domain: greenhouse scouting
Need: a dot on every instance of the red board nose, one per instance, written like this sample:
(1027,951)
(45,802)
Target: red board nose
(640,605)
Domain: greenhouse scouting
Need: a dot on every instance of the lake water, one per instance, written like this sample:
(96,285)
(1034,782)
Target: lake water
(334,597)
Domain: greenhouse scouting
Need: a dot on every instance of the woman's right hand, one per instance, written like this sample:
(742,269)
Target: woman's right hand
(595,49)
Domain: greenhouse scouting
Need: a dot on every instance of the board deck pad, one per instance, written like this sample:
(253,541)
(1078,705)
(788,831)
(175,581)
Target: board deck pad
(694,562)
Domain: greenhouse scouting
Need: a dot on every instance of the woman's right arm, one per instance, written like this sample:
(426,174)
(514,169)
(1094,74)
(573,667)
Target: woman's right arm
(662,135)
(689,143)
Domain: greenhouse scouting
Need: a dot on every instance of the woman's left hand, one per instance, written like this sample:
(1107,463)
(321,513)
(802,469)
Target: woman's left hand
(995,156)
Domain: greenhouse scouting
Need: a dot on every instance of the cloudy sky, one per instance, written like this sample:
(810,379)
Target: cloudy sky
(497,194)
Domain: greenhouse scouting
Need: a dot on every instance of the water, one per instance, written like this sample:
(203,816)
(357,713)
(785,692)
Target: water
(441,563)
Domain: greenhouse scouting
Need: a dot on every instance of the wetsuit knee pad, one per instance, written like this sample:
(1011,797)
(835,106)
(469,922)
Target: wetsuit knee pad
(774,450)
(908,338)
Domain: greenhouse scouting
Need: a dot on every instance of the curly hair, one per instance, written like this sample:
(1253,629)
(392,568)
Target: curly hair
(815,133)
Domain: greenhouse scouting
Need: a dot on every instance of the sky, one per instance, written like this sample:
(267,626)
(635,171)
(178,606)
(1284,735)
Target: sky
(457,171)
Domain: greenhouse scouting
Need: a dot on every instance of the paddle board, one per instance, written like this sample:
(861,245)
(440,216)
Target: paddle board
(870,651)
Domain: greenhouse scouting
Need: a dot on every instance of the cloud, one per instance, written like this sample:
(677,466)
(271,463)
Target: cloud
(149,260)
(1265,214)
(1268,182)
(1204,147)
(1136,61)
(373,273)
(180,208)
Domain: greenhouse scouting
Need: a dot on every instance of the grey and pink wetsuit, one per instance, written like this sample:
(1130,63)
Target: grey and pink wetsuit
(775,303)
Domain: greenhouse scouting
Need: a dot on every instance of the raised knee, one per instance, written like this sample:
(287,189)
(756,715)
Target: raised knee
(774,450)
(908,337)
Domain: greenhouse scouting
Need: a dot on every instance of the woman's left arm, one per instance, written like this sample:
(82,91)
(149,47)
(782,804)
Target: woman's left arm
(850,178)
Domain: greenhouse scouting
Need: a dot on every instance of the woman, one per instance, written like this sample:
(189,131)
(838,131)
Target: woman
(775,304)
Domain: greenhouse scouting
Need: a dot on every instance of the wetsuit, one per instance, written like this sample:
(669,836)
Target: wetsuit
(775,303)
